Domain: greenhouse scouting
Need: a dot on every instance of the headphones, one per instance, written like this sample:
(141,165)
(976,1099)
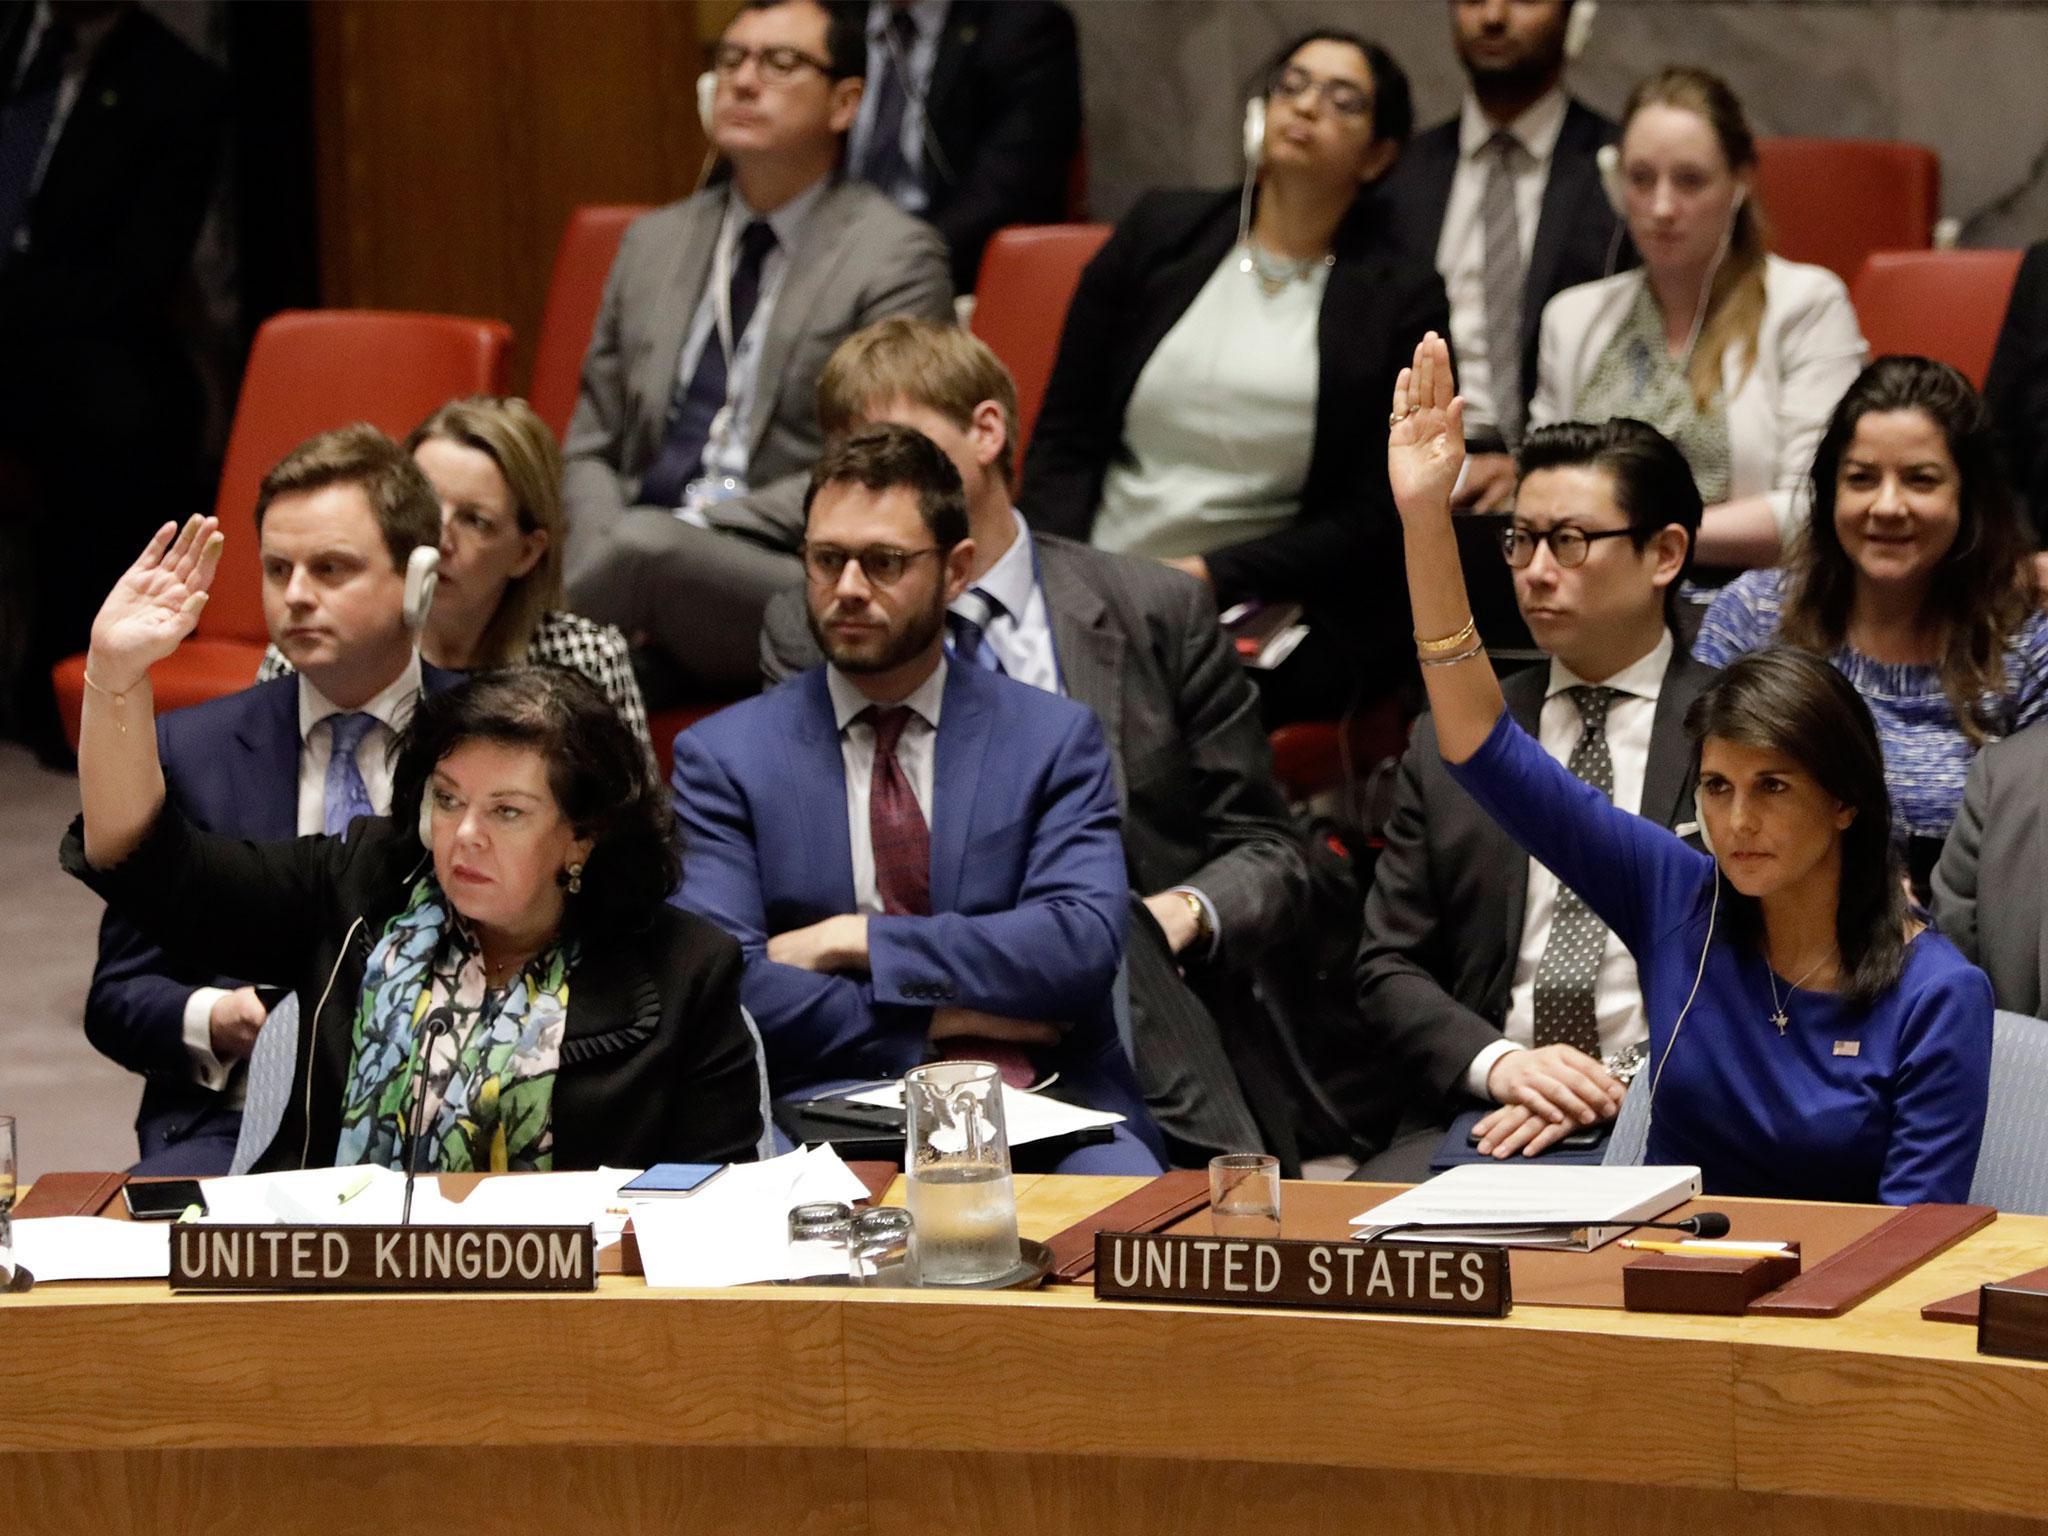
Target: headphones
(422,575)
(1254,132)
(1578,27)
(1699,811)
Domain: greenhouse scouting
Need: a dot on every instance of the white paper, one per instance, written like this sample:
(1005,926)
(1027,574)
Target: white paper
(92,1248)
(735,1229)
(1603,1201)
(312,1197)
(1027,1117)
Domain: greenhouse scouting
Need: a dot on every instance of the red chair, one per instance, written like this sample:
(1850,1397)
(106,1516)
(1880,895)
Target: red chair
(1311,756)
(1028,276)
(1947,305)
(664,725)
(308,372)
(575,293)
(1834,201)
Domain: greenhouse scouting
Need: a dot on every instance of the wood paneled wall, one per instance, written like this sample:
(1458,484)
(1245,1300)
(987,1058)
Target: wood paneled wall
(454,136)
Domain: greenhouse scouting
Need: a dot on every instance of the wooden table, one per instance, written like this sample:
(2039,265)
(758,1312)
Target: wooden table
(783,1411)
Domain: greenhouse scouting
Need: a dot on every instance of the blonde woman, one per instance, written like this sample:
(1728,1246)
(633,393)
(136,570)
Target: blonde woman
(498,473)
(1735,355)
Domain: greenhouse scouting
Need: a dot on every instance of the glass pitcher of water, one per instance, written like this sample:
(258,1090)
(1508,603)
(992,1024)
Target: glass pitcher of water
(956,1156)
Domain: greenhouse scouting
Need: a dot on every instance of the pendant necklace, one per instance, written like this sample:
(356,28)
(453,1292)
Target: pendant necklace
(1778,1015)
(1274,273)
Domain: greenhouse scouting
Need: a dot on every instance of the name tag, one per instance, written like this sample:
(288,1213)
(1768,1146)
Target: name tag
(1277,1272)
(280,1258)
(1848,1047)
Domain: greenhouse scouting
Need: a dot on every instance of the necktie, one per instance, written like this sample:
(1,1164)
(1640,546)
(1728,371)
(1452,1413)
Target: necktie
(1570,966)
(1502,233)
(969,619)
(696,407)
(347,795)
(896,828)
(882,161)
(25,128)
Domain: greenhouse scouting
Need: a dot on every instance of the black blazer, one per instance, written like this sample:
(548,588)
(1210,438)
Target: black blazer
(1574,232)
(1343,553)
(1443,920)
(658,1064)
(1003,111)
(2017,386)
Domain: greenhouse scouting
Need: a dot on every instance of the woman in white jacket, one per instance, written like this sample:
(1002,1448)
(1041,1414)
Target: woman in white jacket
(1734,354)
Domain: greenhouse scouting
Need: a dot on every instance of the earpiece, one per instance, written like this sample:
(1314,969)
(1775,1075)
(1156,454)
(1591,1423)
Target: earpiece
(422,574)
(1608,158)
(427,817)
(1578,28)
(1254,131)
(707,97)
(1699,811)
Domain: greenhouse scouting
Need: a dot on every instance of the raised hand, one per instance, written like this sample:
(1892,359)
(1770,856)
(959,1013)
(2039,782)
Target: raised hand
(1426,432)
(155,604)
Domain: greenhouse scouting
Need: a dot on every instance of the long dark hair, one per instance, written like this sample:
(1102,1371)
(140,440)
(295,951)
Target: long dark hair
(1790,701)
(597,768)
(1983,590)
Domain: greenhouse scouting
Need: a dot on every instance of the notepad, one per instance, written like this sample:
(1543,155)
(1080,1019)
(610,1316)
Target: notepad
(1568,1208)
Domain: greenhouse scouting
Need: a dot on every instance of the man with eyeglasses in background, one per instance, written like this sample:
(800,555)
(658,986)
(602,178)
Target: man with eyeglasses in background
(919,858)
(685,458)
(1479,978)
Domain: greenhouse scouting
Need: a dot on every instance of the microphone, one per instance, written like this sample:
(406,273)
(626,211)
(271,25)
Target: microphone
(1706,1224)
(437,1023)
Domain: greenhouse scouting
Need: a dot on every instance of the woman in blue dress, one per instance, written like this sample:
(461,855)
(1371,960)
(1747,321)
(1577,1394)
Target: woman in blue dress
(1808,1038)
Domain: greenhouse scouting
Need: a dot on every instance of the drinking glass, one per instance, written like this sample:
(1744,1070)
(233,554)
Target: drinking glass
(956,1155)
(1244,1195)
(884,1247)
(820,1240)
(7,1186)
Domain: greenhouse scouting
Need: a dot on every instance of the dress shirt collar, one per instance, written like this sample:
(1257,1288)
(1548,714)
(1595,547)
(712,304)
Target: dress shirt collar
(929,16)
(787,221)
(392,706)
(848,700)
(1010,580)
(1641,679)
(1536,129)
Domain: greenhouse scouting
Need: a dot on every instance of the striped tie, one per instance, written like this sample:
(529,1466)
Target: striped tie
(1568,975)
(1502,232)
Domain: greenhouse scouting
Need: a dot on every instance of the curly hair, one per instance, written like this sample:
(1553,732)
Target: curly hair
(1983,589)
(598,770)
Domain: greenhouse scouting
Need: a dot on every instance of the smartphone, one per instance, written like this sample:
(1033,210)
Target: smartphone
(672,1178)
(162,1199)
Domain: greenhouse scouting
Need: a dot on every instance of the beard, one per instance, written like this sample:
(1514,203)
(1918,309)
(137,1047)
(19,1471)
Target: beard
(882,649)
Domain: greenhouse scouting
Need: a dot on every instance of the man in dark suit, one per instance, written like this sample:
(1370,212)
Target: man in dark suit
(1506,200)
(972,116)
(1993,868)
(1215,872)
(1476,975)
(110,130)
(2017,387)
(918,857)
(685,459)
(339,517)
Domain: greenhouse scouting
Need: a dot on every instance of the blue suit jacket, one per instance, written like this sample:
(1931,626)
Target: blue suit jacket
(1028,889)
(230,765)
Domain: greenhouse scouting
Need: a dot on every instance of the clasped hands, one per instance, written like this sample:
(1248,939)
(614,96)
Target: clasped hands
(1545,1094)
(839,944)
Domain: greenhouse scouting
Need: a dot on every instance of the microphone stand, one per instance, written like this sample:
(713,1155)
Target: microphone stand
(437,1023)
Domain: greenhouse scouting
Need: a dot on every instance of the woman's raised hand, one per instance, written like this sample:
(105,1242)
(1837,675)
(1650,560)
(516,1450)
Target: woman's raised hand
(1426,432)
(155,604)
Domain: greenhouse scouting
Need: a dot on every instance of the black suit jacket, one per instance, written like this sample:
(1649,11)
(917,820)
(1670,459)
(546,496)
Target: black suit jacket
(1443,920)
(1003,112)
(1574,232)
(1343,553)
(2017,386)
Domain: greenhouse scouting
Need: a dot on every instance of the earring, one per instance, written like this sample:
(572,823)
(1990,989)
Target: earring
(575,879)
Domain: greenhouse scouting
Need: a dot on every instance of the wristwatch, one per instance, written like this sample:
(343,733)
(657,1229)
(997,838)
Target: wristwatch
(1203,931)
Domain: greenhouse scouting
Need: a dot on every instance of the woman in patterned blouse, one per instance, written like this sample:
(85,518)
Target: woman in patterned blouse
(496,468)
(1913,578)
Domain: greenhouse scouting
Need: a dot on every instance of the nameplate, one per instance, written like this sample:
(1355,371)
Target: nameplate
(2012,1321)
(282,1258)
(1284,1272)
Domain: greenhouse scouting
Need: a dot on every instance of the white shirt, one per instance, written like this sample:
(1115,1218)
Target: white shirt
(392,708)
(724,471)
(1617,993)
(929,17)
(1020,632)
(1461,247)
(1221,425)
(916,749)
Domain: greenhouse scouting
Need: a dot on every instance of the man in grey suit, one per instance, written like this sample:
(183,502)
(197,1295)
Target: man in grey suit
(1993,868)
(687,452)
(1207,836)
(1478,976)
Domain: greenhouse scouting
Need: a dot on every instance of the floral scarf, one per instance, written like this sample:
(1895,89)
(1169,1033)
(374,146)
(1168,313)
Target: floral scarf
(488,1083)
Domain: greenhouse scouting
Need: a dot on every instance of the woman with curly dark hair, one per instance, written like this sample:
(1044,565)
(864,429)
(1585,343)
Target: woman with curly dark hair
(1914,580)
(495,961)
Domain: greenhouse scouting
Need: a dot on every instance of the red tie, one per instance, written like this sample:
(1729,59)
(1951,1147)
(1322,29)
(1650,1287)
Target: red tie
(902,842)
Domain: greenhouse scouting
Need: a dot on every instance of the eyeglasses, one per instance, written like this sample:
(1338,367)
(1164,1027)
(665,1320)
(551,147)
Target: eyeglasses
(879,563)
(778,63)
(1343,97)
(1567,544)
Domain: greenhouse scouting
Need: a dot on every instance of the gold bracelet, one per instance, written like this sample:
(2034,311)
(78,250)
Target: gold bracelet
(1478,648)
(1448,642)
(120,699)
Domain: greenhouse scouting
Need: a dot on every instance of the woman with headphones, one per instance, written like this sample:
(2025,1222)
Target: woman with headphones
(492,972)
(1808,1038)
(1735,355)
